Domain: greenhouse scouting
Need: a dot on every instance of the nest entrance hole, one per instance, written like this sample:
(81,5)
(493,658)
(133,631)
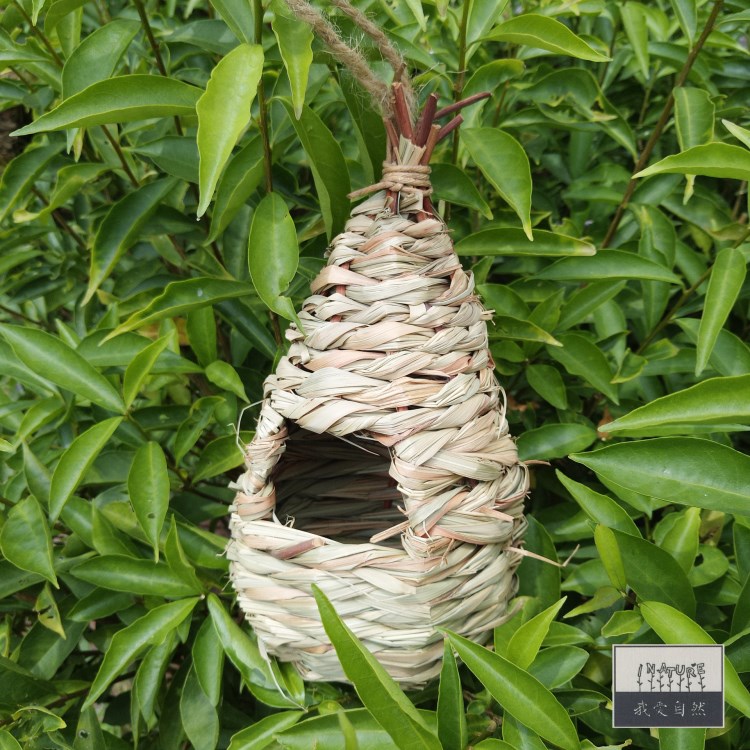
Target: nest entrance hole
(338,489)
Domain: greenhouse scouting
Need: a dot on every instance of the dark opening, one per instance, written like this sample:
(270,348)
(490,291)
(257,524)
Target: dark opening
(339,489)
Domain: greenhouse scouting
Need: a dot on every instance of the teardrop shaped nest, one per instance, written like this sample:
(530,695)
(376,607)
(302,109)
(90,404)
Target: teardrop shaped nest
(382,468)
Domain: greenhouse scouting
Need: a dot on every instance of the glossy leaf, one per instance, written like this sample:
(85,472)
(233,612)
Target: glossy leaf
(120,99)
(724,286)
(520,694)
(611,559)
(672,626)
(128,643)
(224,113)
(687,16)
(610,264)
(554,441)
(38,349)
(681,470)
(121,227)
(183,296)
(97,55)
(380,694)
(653,574)
(599,508)
(25,539)
(199,717)
(238,15)
(546,33)
(548,383)
(711,160)
(717,401)
(208,661)
(579,356)
(140,367)
(525,643)
(510,241)
(225,376)
(294,38)
(177,155)
(694,117)
(76,461)
(453,732)
(133,576)
(634,20)
(263,732)
(451,184)
(19,175)
(148,488)
(273,254)
(327,164)
(504,163)
(682,738)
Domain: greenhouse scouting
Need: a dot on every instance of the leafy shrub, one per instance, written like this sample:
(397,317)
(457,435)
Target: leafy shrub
(132,336)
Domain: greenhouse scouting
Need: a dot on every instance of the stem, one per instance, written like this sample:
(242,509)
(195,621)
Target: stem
(661,123)
(458,87)
(262,104)
(155,49)
(120,155)
(60,221)
(39,34)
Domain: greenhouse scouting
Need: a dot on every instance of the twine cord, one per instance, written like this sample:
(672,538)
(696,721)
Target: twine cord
(353,60)
(407,178)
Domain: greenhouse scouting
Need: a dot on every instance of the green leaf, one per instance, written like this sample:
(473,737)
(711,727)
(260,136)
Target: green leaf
(201,330)
(622,622)
(687,16)
(730,356)
(609,264)
(273,254)
(611,559)
(181,297)
(139,368)
(521,695)
(148,488)
(548,383)
(244,653)
(546,33)
(96,57)
(557,665)
(504,163)
(686,471)
(634,20)
(295,39)
(453,731)
(20,173)
(673,626)
(327,164)
(554,441)
(199,717)
(654,574)
(599,508)
(177,155)
(39,351)
(76,461)
(8,741)
(538,578)
(579,356)
(121,227)
(70,180)
(717,401)
(224,113)
(724,286)
(89,734)
(682,738)
(694,116)
(127,644)
(525,643)
(219,456)
(225,376)
(238,15)
(133,576)
(25,539)
(508,241)
(208,661)
(508,327)
(377,690)
(682,538)
(453,185)
(741,134)
(711,160)
(263,732)
(239,181)
(120,99)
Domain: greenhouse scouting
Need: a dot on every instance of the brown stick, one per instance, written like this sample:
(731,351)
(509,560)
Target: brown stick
(430,144)
(450,127)
(401,111)
(425,120)
(463,103)
(661,124)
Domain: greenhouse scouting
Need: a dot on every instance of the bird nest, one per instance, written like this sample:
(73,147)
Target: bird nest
(382,468)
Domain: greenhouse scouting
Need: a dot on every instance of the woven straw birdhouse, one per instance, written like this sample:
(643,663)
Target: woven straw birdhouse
(382,468)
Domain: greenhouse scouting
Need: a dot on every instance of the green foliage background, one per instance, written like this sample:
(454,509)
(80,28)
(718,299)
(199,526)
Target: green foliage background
(132,335)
